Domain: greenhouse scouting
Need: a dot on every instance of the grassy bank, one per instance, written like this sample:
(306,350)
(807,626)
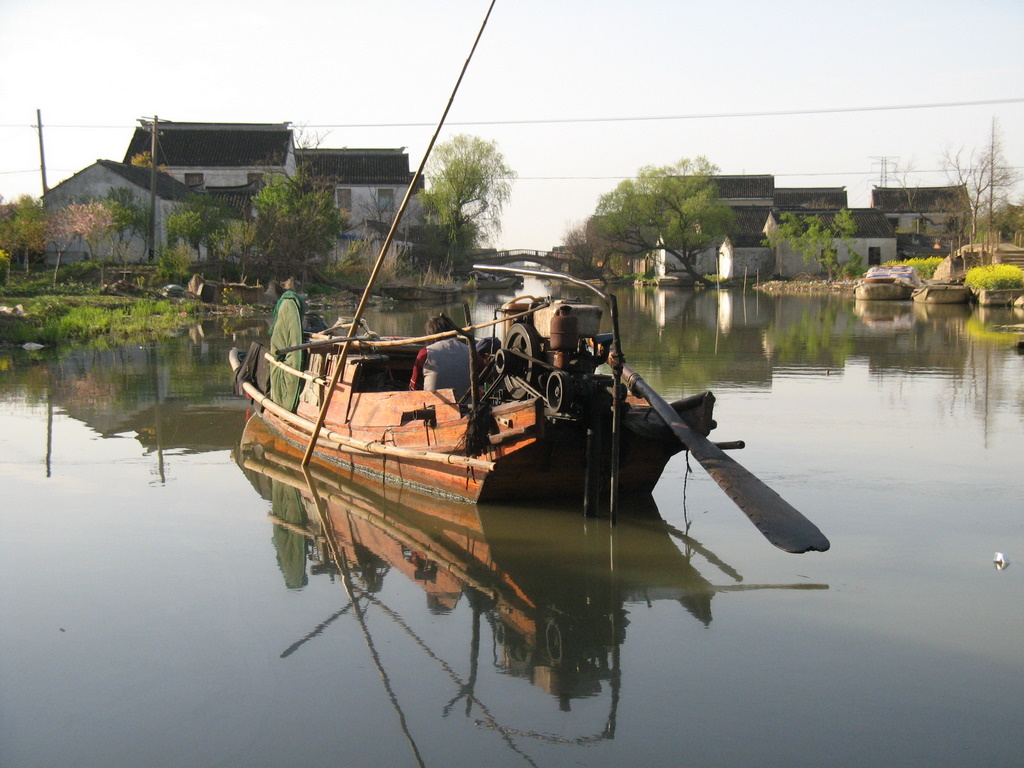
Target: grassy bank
(52,320)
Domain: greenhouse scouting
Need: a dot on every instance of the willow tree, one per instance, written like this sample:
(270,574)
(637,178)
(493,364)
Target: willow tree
(469,185)
(673,208)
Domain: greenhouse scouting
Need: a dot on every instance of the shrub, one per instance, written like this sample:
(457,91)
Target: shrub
(994,277)
(175,262)
(854,266)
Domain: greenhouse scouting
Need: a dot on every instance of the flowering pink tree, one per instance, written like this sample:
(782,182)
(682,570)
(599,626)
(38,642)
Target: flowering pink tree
(88,222)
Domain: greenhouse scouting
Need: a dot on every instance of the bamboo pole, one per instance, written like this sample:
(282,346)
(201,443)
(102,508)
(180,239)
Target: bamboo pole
(384,248)
(372,342)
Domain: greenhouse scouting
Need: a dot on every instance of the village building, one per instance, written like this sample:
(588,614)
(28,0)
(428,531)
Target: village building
(758,205)
(97,182)
(217,156)
(232,161)
(369,186)
(921,210)
(874,241)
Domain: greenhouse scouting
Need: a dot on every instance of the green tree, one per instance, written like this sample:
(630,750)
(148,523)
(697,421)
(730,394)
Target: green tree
(1009,221)
(818,239)
(237,242)
(130,221)
(23,229)
(201,222)
(470,184)
(674,208)
(297,225)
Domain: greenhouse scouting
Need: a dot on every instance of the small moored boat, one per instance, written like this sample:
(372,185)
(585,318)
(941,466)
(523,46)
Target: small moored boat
(437,292)
(942,293)
(896,283)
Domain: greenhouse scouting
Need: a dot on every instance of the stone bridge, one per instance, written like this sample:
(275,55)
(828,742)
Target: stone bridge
(503,258)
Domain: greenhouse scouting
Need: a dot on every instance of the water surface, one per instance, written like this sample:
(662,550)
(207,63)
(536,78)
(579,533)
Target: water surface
(154,613)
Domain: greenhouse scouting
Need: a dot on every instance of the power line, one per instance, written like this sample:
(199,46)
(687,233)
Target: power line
(777,175)
(647,118)
(695,116)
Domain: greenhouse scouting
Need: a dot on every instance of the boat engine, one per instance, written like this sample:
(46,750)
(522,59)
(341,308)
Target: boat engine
(555,355)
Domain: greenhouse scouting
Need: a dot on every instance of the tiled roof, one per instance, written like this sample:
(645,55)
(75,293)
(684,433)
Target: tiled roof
(916,199)
(749,229)
(215,145)
(811,198)
(745,187)
(238,198)
(871,222)
(356,166)
(167,187)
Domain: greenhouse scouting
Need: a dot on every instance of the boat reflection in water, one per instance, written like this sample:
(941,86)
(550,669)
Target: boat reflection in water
(553,585)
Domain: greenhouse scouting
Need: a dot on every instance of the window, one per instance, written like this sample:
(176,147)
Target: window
(194,179)
(874,256)
(343,197)
(386,199)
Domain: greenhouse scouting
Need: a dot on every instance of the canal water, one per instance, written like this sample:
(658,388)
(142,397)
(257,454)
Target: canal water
(165,604)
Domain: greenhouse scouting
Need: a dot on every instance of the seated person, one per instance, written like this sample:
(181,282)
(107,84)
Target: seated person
(443,364)
(486,347)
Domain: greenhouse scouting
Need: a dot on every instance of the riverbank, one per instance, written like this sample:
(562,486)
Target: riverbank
(52,320)
(796,287)
(81,307)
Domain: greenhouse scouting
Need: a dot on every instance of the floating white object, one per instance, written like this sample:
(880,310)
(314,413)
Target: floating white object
(1001,561)
(31,346)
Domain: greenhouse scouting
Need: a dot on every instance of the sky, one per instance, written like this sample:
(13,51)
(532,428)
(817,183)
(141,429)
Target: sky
(577,95)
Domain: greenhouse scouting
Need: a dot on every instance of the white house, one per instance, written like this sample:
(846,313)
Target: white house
(754,199)
(369,186)
(921,210)
(874,241)
(217,156)
(96,182)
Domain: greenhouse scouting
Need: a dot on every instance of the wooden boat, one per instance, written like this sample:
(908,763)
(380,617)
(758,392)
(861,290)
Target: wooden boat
(942,293)
(432,293)
(482,281)
(541,431)
(555,413)
(895,283)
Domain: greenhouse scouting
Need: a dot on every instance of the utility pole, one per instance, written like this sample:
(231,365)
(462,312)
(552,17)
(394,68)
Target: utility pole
(992,152)
(152,186)
(42,156)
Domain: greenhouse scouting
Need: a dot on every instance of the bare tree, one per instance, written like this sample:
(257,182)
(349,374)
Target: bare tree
(985,177)
(587,253)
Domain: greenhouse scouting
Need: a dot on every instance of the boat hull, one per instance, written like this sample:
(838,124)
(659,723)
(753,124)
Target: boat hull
(869,291)
(548,461)
(943,294)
